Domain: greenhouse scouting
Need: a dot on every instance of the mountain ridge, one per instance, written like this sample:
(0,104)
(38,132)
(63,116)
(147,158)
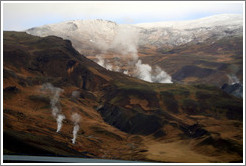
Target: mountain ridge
(105,41)
(214,20)
(97,31)
(115,109)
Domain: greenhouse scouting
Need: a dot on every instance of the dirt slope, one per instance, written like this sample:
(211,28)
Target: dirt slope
(122,117)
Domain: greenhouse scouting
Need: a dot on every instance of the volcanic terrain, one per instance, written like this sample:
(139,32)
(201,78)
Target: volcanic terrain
(122,117)
(207,50)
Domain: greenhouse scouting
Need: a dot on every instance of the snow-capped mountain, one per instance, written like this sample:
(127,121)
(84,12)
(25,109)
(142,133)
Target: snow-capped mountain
(97,34)
(84,34)
(171,34)
(208,22)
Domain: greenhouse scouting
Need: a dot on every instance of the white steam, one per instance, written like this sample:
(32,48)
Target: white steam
(126,72)
(75,94)
(125,42)
(75,119)
(125,45)
(75,130)
(161,76)
(143,71)
(55,103)
(59,120)
(103,62)
(233,79)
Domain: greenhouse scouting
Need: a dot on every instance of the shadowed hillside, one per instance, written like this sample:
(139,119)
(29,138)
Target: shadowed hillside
(122,117)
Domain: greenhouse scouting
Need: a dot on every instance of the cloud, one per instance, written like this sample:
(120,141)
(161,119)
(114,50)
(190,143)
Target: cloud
(29,14)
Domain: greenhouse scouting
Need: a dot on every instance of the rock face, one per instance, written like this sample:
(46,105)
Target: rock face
(130,121)
(234,89)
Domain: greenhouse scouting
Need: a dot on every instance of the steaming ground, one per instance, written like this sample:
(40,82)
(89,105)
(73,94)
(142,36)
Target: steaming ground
(75,119)
(137,69)
(100,37)
(125,46)
(54,95)
(55,103)
(120,117)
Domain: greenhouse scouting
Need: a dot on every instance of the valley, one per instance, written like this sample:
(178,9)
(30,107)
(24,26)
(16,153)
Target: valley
(122,117)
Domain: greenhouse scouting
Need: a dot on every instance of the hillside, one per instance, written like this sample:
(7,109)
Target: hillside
(211,46)
(121,117)
(211,62)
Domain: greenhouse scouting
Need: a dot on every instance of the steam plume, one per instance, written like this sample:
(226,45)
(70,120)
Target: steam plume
(75,94)
(103,62)
(161,76)
(233,79)
(55,103)
(75,119)
(125,45)
(59,120)
(143,71)
(126,42)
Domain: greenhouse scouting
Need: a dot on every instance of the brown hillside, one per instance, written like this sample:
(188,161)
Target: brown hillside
(122,117)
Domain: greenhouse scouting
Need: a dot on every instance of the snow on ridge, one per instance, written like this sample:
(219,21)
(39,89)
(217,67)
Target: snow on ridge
(211,21)
(99,26)
(96,34)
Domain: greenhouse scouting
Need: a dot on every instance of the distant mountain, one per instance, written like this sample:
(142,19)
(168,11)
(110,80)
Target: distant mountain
(121,117)
(170,34)
(89,33)
(84,34)
(205,50)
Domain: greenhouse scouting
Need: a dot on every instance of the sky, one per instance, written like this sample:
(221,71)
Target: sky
(21,16)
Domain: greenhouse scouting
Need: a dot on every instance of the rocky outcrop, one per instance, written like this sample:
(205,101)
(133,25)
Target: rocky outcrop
(130,121)
(234,89)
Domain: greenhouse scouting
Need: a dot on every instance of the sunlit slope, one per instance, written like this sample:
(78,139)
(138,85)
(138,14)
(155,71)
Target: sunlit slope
(122,117)
(211,62)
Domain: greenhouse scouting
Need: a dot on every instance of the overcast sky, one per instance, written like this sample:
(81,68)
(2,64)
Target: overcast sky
(21,16)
